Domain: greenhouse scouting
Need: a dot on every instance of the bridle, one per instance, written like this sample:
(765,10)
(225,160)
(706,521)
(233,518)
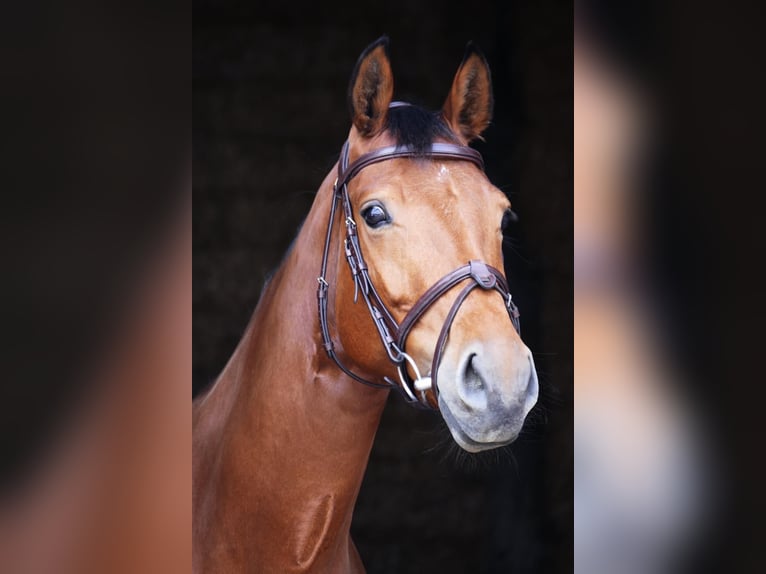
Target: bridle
(392,334)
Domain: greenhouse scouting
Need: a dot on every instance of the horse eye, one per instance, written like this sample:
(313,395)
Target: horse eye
(375,215)
(509,217)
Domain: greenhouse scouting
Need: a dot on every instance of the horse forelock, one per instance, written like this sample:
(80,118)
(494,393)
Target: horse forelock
(417,127)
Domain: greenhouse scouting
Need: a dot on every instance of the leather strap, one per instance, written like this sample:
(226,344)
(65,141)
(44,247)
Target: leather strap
(443,285)
(437,151)
(481,275)
(392,335)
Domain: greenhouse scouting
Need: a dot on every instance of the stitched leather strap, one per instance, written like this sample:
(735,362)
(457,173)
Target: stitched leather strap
(488,274)
(437,151)
(480,275)
(393,336)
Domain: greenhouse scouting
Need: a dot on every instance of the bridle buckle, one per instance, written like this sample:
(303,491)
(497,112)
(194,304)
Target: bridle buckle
(481,274)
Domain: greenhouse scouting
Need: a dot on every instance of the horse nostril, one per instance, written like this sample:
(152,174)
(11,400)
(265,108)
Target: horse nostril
(472,380)
(471,386)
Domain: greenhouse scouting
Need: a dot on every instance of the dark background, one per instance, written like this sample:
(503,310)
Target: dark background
(269,117)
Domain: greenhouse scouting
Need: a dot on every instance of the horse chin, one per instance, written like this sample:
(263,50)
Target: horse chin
(462,439)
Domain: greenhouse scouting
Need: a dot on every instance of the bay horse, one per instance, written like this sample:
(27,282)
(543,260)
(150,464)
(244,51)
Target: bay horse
(392,283)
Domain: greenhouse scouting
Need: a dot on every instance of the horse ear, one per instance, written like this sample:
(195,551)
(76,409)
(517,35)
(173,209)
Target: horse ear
(468,108)
(371,88)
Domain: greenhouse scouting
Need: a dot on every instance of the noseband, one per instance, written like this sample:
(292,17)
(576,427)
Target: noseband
(394,335)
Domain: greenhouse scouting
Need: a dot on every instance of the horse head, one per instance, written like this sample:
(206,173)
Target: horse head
(419,218)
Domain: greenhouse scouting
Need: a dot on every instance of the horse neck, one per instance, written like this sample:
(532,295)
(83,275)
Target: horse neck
(293,434)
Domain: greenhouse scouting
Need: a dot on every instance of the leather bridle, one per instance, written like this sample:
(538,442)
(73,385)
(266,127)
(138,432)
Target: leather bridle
(392,334)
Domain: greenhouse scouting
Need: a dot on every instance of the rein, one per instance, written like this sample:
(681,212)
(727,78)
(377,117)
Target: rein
(394,335)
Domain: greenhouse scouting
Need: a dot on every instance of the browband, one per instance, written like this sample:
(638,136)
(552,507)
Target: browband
(436,151)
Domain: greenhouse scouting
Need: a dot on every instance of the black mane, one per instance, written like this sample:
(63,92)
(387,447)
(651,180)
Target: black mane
(417,127)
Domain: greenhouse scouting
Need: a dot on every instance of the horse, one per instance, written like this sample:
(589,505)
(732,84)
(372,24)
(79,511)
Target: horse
(393,283)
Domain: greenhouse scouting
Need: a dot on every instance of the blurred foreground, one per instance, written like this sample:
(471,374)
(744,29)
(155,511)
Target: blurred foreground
(95,295)
(645,494)
(112,490)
